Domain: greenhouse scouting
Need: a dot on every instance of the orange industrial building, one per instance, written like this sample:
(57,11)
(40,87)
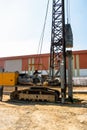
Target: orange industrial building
(29,63)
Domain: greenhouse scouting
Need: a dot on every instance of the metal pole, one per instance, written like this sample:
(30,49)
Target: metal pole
(64,46)
(1,93)
(70,86)
(62,81)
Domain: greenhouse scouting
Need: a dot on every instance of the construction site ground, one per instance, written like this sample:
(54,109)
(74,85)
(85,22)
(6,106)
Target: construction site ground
(43,115)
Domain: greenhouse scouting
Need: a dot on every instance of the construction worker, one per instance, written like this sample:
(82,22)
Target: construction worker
(36,78)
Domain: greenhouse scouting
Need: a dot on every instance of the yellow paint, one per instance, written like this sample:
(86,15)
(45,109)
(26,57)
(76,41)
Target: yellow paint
(8,78)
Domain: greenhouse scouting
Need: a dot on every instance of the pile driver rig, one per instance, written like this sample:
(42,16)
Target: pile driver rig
(57,60)
(61,38)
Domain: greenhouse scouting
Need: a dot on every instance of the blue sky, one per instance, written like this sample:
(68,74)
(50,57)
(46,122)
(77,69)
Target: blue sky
(79,23)
(21,23)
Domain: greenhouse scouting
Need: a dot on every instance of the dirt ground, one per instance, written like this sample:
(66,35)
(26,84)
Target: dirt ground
(44,116)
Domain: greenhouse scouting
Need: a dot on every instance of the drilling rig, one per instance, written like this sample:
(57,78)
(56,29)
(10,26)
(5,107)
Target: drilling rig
(59,36)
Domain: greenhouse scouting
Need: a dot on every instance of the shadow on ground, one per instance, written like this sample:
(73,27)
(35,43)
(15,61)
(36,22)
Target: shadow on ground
(76,103)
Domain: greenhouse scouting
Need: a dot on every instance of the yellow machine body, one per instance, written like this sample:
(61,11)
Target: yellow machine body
(8,78)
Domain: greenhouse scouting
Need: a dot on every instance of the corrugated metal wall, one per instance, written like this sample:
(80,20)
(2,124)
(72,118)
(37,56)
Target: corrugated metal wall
(13,65)
(22,63)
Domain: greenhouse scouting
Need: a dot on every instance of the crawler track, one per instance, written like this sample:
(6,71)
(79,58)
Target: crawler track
(36,94)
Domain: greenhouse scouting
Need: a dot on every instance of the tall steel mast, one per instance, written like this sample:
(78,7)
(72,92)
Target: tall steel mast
(58,49)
